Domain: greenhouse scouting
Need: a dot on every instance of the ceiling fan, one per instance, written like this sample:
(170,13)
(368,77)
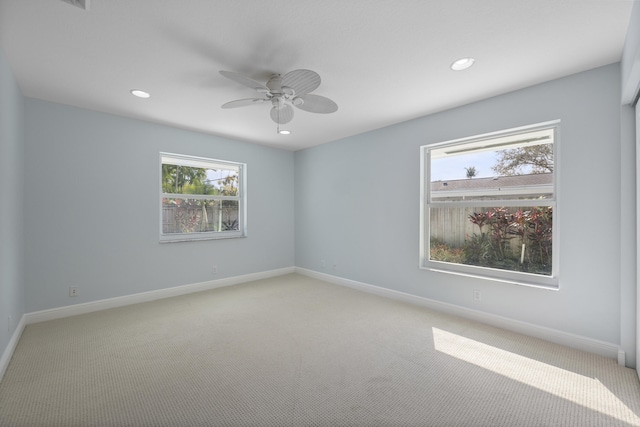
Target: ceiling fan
(284,93)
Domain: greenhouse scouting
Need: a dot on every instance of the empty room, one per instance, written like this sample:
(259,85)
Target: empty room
(319,213)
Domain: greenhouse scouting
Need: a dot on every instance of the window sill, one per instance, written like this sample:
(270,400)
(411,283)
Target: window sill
(186,238)
(539,282)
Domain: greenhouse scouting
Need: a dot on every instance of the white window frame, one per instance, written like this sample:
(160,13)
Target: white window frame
(426,202)
(202,162)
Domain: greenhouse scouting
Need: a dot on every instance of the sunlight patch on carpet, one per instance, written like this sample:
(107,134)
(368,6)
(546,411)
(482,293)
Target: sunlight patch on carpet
(579,389)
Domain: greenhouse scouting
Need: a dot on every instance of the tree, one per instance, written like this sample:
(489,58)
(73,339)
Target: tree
(183,179)
(229,185)
(471,172)
(515,161)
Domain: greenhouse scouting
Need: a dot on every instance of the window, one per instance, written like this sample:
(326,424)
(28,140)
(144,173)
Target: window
(489,206)
(201,198)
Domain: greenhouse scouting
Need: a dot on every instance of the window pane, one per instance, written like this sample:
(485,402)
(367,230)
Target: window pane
(514,239)
(179,179)
(526,152)
(516,166)
(228,215)
(197,216)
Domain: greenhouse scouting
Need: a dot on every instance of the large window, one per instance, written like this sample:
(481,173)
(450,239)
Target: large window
(201,198)
(489,206)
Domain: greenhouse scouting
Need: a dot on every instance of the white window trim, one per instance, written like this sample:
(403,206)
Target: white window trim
(486,273)
(202,162)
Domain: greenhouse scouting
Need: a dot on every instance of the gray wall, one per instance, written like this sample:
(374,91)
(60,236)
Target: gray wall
(357,204)
(92,209)
(630,84)
(630,61)
(630,67)
(12,298)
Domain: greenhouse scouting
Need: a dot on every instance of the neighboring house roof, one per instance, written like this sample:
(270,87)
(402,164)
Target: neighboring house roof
(495,182)
(514,184)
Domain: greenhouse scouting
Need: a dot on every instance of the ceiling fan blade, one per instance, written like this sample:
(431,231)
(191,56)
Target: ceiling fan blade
(244,80)
(316,104)
(243,102)
(282,115)
(301,81)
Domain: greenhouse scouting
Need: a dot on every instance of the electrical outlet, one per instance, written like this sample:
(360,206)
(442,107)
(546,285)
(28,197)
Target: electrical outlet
(214,269)
(73,291)
(477,295)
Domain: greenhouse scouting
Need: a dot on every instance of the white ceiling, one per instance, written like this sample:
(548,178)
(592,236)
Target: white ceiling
(381,61)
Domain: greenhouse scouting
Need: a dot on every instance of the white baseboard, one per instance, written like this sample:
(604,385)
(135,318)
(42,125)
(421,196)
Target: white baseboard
(89,307)
(602,348)
(571,340)
(11,347)
(622,357)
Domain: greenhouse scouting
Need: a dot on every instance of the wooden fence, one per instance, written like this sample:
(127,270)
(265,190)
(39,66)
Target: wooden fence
(190,219)
(452,225)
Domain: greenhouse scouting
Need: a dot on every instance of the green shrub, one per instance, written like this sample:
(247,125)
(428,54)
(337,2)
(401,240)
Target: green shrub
(440,251)
(492,249)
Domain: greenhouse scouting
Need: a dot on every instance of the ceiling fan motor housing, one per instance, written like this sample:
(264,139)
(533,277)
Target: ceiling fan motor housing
(275,84)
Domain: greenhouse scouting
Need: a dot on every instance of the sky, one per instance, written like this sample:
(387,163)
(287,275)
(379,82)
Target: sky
(216,176)
(450,168)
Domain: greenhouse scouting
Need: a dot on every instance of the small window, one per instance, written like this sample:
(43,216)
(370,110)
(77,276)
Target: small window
(201,198)
(489,206)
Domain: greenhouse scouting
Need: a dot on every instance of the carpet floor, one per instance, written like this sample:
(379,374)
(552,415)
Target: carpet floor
(295,351)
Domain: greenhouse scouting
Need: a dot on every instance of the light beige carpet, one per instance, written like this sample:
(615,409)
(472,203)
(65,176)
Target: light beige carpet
(294,351)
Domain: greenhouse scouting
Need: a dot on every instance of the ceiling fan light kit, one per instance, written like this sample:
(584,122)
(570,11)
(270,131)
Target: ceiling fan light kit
(284,93)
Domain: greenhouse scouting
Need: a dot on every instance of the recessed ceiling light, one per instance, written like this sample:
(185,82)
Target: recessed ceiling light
(284,132)
(462,64)
(140,93)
